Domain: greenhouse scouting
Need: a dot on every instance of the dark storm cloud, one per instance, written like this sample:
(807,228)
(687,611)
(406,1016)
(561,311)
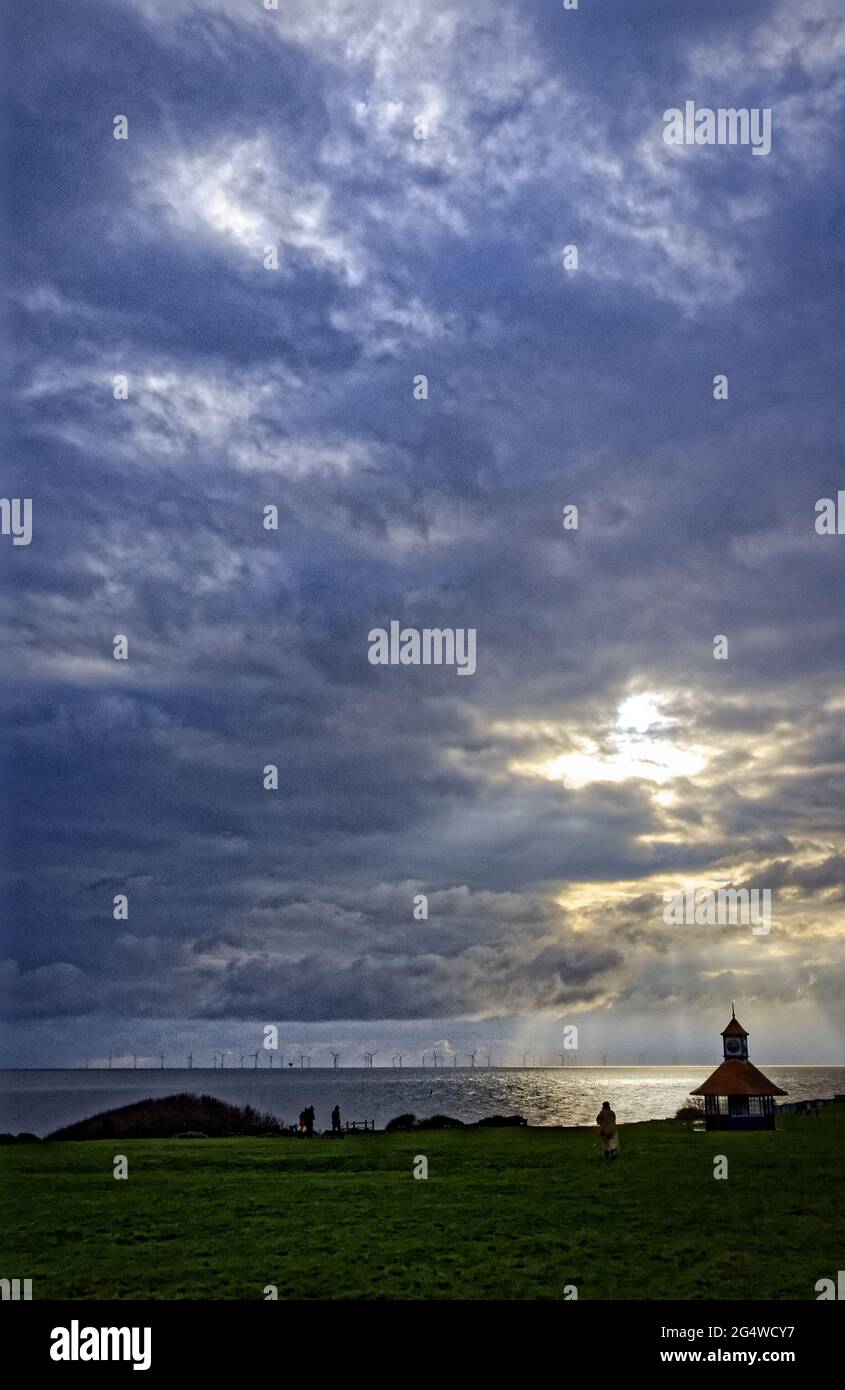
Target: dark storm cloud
(154,979)
(249,387)
(826,877)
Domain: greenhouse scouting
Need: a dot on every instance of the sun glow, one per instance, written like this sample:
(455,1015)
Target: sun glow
(636,747)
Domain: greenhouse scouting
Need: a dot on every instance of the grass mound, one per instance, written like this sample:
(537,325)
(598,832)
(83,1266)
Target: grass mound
(171,1117)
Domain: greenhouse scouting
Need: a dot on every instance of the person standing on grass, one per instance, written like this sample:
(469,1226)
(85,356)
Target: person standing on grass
(309,1122)
(336,1120)
(606,1121)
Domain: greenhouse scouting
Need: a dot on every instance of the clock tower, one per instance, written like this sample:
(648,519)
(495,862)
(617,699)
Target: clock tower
(735,1040)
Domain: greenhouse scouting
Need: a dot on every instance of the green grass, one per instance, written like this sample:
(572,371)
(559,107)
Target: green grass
(511,1214)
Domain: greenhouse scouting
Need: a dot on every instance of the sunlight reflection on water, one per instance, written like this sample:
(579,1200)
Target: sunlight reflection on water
(41,1101)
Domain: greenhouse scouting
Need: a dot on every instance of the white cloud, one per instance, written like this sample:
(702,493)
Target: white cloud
(240,192)
(795,56)
(506,121)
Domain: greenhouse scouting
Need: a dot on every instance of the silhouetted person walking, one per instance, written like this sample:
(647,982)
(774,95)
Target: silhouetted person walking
(309,1121)
(336,1120)
(606,1121)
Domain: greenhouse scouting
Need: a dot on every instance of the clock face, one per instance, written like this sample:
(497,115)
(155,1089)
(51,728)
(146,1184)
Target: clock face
(733,1045)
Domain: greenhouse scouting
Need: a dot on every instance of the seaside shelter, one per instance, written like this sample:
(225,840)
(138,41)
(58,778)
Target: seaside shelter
(737,1095)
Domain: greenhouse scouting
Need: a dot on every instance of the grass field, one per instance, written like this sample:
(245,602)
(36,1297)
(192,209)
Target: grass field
(513,1214)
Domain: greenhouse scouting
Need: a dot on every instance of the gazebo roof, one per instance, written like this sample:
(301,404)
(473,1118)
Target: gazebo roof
(738,1078)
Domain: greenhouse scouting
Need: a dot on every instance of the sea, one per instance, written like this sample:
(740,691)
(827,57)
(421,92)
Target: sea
(39,1102)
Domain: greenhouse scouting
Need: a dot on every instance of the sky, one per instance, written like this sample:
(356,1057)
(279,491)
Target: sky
(420,166)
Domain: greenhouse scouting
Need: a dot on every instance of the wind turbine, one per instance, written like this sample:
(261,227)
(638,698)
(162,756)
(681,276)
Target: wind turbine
(242,1061)
(255,1055)
(162,1061)
(396,1061)
(488,1055)
(434,1055)
(304,1059)
(335,1056)
(109,1061)
(368,1064)
(134,1062)
(472,1056)
(190,1061)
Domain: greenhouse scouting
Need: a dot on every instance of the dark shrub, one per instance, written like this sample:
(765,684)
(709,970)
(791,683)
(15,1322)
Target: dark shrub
(692,1109)
(500,1121)
(401,1122)
(439,1122)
